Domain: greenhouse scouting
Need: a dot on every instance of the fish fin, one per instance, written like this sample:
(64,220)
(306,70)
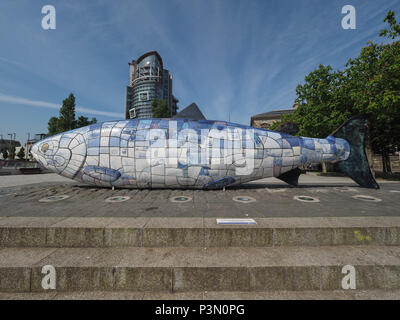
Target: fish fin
(291,177)
(102,173)
(220,183)
(356,166)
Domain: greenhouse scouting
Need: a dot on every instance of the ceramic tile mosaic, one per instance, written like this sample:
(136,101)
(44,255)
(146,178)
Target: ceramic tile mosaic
(180,153)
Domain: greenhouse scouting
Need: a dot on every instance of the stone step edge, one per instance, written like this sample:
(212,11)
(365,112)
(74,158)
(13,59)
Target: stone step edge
(180,270)
(180,236)
(186,279)
(200,222)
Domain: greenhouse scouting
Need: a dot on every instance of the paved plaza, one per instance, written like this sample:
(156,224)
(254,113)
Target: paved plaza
(166,244)
(315,196)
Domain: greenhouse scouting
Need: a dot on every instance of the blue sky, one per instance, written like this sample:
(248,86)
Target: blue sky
(228,56)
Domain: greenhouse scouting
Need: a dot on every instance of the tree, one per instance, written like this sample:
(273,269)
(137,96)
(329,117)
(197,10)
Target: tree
(4,152)
(369,84)
(12,152)
(67,113)
(374,88)
(322,106)
(66,121)
(160,109)
(30,156)
(21,153)
(394,30)
(84,121)
(54,126)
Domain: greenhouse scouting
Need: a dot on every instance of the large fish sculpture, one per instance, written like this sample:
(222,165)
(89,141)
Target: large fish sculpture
(200,154)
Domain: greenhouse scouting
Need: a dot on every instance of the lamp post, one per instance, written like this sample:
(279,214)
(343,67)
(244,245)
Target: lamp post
(9,144)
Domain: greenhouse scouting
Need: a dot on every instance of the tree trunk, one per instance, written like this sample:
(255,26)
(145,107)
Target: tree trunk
(386,163)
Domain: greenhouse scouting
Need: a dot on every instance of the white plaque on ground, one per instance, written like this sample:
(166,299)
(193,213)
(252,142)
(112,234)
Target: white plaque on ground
(236,221)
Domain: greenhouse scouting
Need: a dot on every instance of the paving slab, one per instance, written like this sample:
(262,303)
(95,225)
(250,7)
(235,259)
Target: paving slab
(31,222)
(20,180)
(273,199)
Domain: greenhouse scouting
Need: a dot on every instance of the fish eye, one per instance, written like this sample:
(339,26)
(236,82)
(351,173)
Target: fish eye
(45,147)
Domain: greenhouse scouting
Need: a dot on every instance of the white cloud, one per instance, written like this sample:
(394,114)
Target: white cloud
(44,104)
(10,61)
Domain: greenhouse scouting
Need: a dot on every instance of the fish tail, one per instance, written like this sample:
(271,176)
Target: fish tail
(356,166)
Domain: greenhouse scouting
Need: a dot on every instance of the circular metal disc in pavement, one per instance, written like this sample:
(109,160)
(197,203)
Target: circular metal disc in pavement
(306,199)
(366,198)
(244,199)
(54,198)
(180,199)
(118,199)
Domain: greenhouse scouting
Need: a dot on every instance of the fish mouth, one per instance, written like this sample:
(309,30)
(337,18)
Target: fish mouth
(35,151)
(47,153)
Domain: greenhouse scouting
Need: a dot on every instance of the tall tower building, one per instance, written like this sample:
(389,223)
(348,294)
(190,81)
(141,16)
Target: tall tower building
(148,80)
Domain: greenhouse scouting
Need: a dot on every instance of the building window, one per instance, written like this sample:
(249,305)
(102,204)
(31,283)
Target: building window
(143,96)
(132,113)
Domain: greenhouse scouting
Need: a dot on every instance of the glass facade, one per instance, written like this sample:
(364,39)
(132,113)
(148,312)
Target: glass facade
(148,81)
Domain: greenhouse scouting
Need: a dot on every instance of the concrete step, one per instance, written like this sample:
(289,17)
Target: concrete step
(198,269)
(207,295)
(196,232)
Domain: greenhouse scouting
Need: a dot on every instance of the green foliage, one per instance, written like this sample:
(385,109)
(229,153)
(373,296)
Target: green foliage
(275,124)
(84,121)
(369,84)
(374,89)
(394,30)
(67,113)
(160,109)
(285,118)
(66,121)
(21,153)
(4,152)
(12,152)
(322,104)
(54,126)
(30,156)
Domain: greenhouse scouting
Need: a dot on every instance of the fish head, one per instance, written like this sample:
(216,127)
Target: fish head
(46,152)
(64,153)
